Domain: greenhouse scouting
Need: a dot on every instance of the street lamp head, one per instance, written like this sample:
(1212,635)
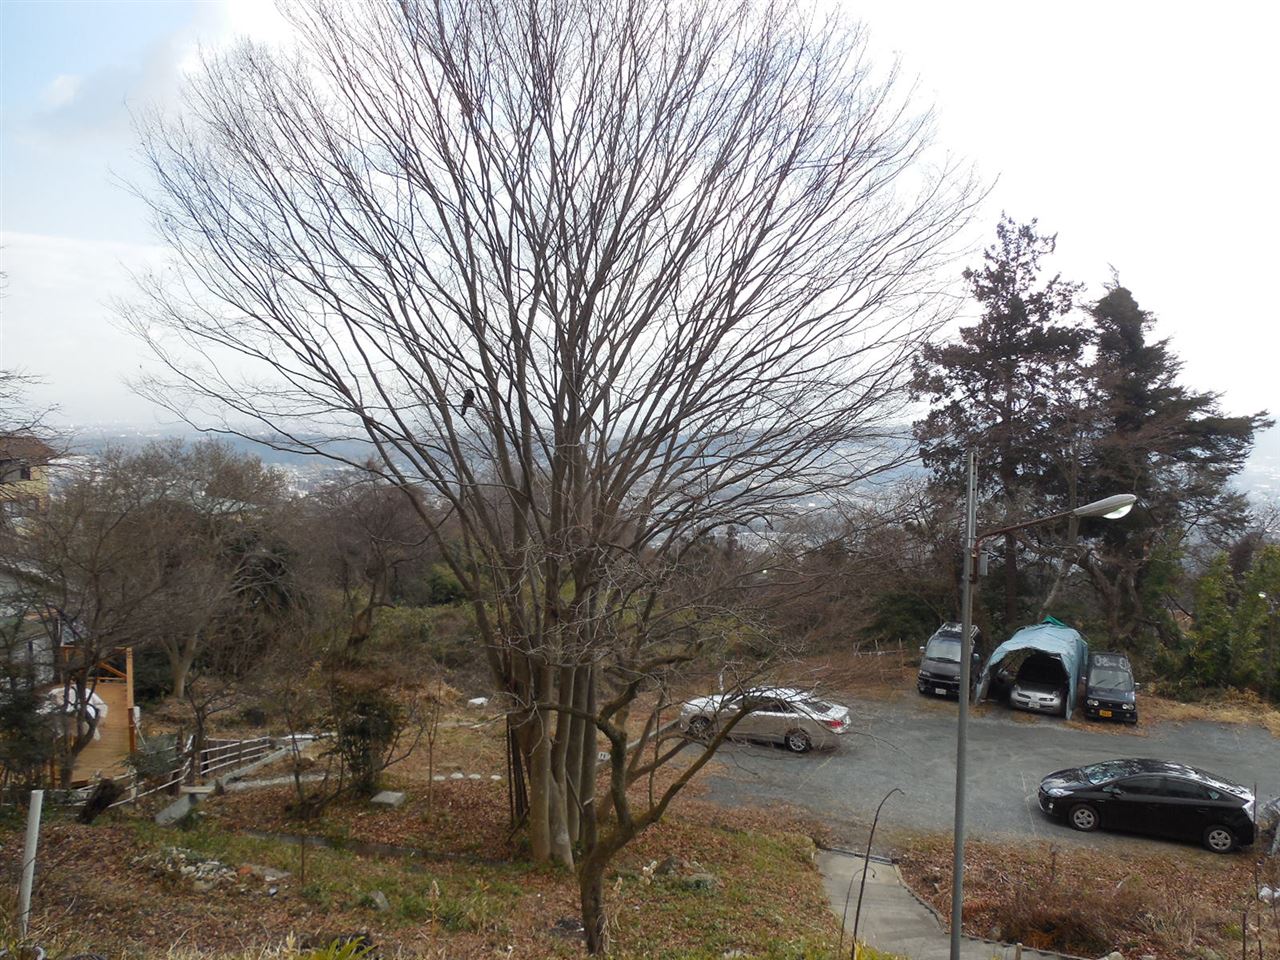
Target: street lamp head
(1108,508)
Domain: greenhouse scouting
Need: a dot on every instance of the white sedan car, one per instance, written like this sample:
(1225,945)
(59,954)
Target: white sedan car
(797,719)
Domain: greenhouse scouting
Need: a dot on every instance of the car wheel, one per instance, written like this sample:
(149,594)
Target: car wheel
(798,741)
(1083,816)
(1220,839)
(699,728)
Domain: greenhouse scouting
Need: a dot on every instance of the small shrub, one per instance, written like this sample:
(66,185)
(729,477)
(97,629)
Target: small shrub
(318,895)
(367,724)
(350,950)
(442,586)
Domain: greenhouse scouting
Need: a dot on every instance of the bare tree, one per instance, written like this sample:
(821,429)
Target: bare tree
(86,573)
(363,532)
(210,517)
(598,282)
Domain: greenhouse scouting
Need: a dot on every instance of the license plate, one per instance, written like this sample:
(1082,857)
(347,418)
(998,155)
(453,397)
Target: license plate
(1104,713)
(941,690)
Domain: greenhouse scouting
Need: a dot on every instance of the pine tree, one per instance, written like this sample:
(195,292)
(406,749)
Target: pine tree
(1171,446)
(1001,388)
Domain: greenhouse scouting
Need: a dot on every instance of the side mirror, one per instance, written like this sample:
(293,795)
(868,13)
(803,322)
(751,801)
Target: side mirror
(976,655)
(1137,686)
(922,649)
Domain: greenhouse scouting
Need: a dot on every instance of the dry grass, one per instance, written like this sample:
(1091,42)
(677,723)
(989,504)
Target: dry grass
(1185,903)
(467,894)
(1232,706)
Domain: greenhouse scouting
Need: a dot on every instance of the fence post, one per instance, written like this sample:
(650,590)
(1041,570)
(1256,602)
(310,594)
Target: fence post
(29,860)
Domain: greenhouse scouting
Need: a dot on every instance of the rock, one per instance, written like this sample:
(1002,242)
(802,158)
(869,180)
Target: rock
(378,900)
(1267,895)
(180,808)
(495,776)
(104,795)
(438,777)
(457,776)
(707,883)
(569,927)
(389,799)
(1114,955)
(474,776)
(478,703)
(266,874)
(673,867)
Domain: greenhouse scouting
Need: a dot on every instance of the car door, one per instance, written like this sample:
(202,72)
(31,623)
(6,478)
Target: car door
(1188,809)
(1134,804)
(776,717)
(754,726)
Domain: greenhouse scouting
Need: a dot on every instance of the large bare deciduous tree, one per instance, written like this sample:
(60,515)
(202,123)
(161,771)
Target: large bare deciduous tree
(596,282)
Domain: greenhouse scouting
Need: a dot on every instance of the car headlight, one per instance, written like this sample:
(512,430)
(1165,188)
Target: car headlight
(1126,706)
(1057,792)
(1092,703)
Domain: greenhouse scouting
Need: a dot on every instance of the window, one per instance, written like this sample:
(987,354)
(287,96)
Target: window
(1184,789)
(1143,786)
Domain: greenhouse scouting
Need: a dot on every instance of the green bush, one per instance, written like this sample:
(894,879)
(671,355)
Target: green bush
(442,586)
(366,726)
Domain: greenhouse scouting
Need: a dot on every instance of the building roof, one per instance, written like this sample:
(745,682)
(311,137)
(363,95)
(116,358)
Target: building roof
(22,446)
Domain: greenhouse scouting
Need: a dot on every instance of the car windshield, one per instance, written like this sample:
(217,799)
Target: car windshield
(943,647)
(1110,770)
(1111,678)
(817,706)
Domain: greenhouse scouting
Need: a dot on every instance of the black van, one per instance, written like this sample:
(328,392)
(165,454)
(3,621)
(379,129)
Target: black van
(940,666)
(1110,693)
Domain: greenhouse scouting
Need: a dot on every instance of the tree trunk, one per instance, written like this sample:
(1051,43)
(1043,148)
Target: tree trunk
(539,764)
(1010,581)
(1073,531)
(591,895)
(575,789)
(180,660)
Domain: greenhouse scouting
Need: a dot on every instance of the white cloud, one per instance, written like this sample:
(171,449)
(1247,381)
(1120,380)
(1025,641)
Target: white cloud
(60,91)
(57,322)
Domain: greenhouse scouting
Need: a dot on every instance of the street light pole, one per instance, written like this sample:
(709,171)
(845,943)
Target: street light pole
(962,723)
(1109,508)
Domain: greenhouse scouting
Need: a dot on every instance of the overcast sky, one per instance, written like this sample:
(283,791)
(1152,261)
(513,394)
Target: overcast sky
(1143,133)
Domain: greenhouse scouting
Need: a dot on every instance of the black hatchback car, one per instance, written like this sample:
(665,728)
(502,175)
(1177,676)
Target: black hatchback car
(1154,797)
(1110,693)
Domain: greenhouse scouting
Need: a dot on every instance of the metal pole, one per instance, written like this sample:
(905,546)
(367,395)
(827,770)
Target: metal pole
(962,723)
(29,860)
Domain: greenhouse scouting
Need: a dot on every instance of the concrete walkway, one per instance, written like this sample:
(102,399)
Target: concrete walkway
(893,919)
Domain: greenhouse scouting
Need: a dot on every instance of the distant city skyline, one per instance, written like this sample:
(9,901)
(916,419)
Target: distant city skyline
(1137,133)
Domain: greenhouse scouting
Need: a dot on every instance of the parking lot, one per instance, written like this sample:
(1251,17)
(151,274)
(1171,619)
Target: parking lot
(910,743)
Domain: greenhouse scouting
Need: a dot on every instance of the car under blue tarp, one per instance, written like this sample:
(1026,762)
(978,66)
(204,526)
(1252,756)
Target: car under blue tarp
(1052,638)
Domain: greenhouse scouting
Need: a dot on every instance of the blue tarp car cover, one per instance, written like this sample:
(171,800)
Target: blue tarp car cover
(1054,638)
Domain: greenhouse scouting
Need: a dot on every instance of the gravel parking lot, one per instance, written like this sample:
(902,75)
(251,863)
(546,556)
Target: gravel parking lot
(910,743)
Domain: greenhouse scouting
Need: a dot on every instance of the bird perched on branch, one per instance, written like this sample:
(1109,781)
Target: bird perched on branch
(468,399)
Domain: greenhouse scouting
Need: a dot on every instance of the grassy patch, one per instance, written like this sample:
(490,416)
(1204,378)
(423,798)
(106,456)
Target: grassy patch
(1233,706)
(1175,905)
